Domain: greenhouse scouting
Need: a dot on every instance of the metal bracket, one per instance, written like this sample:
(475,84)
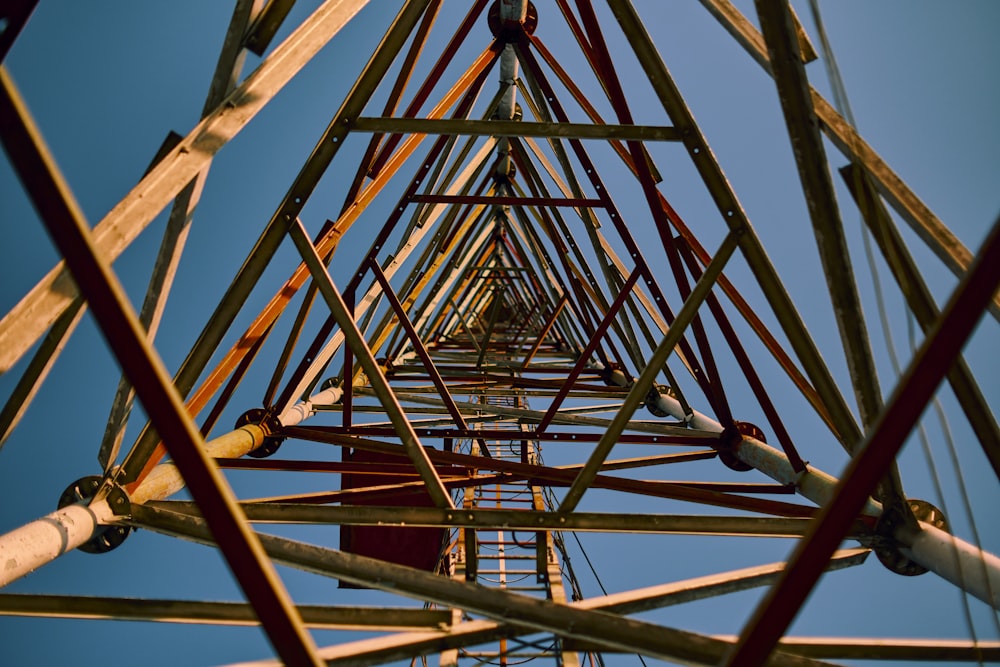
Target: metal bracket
(885,545)
(95,487)
(268,423)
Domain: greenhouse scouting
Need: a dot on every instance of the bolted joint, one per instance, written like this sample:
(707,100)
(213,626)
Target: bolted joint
(730,440)
(385,363)
(613,376)
(653,400)
(512,20)
(86,489)
(890,523)
(269,424)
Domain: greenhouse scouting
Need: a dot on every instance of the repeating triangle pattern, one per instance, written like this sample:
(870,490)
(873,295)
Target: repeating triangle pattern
(504,338)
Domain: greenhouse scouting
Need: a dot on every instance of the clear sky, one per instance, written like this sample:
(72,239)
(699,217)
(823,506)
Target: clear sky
(106,81)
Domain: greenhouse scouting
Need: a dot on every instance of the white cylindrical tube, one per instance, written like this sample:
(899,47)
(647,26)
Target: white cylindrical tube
(27,548)
(975,571)
(165,479)
(303,410)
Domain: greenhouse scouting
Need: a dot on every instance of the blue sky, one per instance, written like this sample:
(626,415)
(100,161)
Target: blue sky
(106,81)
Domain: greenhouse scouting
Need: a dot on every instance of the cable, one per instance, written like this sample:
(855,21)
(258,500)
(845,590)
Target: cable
(844,108)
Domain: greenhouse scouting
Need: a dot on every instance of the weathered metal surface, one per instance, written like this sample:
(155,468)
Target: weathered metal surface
(509,300)
(120,326)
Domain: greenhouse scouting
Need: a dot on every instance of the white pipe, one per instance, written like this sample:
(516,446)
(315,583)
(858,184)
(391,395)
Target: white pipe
(25,549)
(513,11)
(305,409)
(969,568)
(165,479)
(964,565)
(812,483)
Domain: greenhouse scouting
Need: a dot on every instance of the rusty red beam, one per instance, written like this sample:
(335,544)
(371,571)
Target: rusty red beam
(547,436)
(126,339)
(433,78)
(421,349)
(915,388)
(555,478)
(458,369)
(581,363)
(574,202)
(289,465)
(517,471)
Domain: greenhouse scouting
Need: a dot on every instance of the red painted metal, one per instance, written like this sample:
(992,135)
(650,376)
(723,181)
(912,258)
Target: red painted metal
(563,475)
(126,339)
(591,346)
(414,547)
(378,164)
(508,201)
(915,388)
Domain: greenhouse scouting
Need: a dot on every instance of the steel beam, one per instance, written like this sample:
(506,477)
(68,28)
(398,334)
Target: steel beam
(216,613)
(405,645)
(914,389)
(511,128)
(942,242)
(530,416)
(638,391)
(519,520)
(789,73)
(779,28)
(363,354)
(28,320)
(120,326)
(521,611)
(903,650)
(900,650)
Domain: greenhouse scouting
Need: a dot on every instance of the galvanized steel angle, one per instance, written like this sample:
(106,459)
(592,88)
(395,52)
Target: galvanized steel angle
(367,361)
(734,216)
(939,238)
(137,462)
(120,326)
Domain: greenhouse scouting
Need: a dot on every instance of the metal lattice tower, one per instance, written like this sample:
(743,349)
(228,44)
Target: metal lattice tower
(478,331)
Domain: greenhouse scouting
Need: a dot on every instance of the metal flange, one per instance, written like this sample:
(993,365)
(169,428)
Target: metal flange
(85,489)
(508,30)
(260,417)
(885,545)
(731,437)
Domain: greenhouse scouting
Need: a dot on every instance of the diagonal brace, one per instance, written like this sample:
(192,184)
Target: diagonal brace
(377,379)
